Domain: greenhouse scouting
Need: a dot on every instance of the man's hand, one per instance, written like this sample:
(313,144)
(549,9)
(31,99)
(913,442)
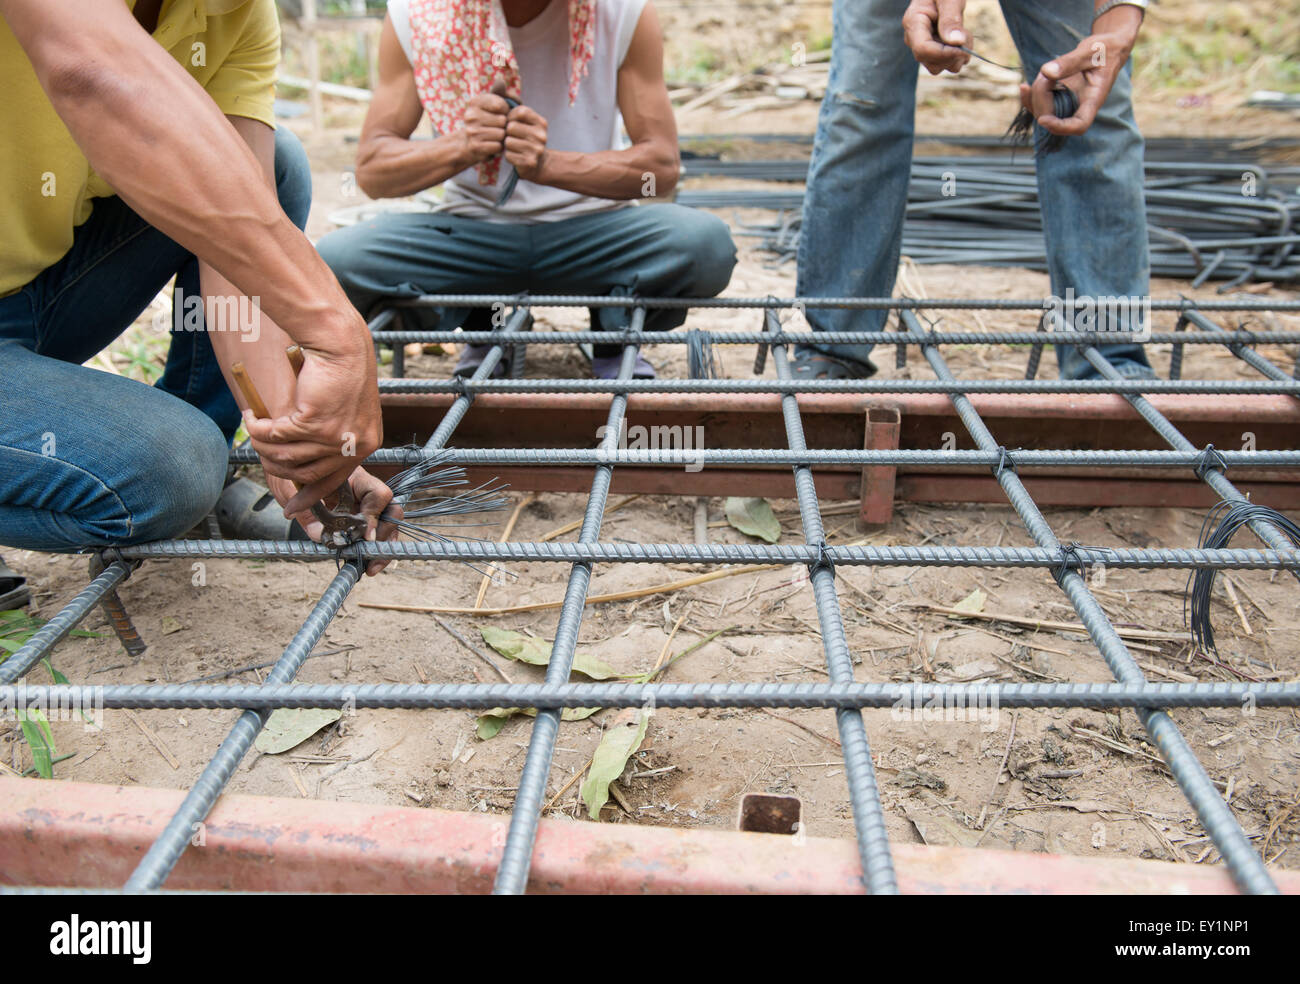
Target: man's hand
(335,422)
(933,30)
(1090,70)
(485,126)
(526,141)
(372,496)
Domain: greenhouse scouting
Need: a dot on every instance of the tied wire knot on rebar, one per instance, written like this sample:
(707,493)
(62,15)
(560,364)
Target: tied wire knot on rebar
(824,561)
(1070,561)
(1005,462)
(1210,460)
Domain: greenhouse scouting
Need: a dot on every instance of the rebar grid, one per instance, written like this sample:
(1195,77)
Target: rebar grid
(843,694)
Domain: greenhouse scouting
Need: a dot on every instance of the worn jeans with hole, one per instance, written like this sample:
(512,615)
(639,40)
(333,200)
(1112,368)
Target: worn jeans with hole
(1090,191)
(91,459)
(651,250)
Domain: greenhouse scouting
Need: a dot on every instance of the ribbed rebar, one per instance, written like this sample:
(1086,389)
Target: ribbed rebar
(48,635)
(905,457)
(908,699)
(837,337)
(1222,827)
(851,303)
(516,859)
(157,864)
(1211,476)
(1236,341)
(858,387)
(864,793)
(861,555)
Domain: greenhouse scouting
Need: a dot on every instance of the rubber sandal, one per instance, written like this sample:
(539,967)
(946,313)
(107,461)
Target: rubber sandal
(606,367)
(14,592)
(819,365)
(248,511)
(472,356)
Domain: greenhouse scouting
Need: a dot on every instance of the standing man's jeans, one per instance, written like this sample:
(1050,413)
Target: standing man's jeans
(650,250)
(88,458)
(1091,191)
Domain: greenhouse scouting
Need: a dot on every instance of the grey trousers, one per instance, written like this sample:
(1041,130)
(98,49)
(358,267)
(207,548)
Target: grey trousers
(650,250)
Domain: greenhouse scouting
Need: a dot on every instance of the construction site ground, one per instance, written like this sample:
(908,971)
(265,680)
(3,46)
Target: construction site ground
(1074,782)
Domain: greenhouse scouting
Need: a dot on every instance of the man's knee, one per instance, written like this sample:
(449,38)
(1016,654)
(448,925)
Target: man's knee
(292,177)
(181,470)
(712,253)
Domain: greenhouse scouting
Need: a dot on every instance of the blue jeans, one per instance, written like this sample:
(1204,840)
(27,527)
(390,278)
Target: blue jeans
(91,459)
(1091,191)
(651,250)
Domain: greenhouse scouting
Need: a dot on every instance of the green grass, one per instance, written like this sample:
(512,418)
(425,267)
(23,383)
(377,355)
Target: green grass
(16,628)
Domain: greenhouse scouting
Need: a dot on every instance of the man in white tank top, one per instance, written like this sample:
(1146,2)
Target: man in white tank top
(536,92)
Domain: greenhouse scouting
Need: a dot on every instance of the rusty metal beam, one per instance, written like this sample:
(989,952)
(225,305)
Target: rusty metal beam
(90,835)
(925,421)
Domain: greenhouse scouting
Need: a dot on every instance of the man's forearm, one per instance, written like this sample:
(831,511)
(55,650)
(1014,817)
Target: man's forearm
(641,171)
(164,146)
(389,166)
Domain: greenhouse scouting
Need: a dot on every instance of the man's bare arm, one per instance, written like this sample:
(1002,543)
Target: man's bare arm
(157,138)
(163,145)
(650,166)
(261,346)
(389,163)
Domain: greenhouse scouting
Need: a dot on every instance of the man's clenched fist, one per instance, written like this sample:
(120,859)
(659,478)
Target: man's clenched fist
(526,141)
(485,126)
(933,30)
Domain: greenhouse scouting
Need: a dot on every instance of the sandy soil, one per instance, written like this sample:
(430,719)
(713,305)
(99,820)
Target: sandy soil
(1075,782)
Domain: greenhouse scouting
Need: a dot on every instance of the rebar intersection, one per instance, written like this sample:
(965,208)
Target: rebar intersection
(1065,562)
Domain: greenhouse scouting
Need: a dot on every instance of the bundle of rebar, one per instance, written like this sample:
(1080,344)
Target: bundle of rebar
(1224,221)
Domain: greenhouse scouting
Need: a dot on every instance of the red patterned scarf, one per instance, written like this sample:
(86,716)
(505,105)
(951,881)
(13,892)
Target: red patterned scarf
(462,47)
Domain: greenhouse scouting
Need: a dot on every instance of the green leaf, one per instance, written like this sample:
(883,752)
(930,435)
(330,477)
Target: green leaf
(537,652)
(753,517)
(62,681)
(36,729)
(622,739)
(289,727)
(491,722)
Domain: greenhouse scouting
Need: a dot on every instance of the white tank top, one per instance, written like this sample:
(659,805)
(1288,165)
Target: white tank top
(592,124)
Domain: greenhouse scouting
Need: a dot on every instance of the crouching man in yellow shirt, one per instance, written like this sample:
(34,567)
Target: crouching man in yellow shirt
(137,144)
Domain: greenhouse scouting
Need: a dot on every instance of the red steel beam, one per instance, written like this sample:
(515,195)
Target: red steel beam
(90,835)
(926,421)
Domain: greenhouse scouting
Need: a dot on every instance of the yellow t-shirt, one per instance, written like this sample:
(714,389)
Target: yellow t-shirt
(47,187)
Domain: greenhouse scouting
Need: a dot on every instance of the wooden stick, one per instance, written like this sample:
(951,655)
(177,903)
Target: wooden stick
(505,535)
(253,398)
(154,740)
(1236,604)
(1005,755)
(577,524)
(451,631)
(816,734)
(542,606)
(663,653)
(569,785)
(1038,623)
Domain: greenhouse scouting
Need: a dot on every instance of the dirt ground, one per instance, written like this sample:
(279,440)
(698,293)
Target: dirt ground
(1074,782)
